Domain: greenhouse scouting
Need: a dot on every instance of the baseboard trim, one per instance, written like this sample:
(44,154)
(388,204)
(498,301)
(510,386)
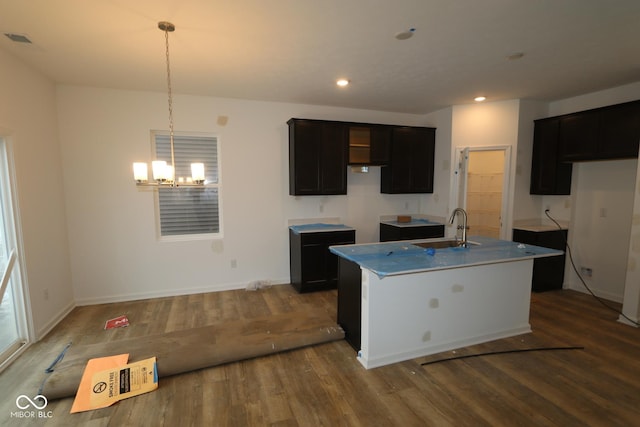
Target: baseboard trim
(168,293)
(445,346)
(42,332)
(599,293)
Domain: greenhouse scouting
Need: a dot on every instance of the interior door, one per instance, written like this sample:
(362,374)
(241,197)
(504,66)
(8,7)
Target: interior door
(482,190)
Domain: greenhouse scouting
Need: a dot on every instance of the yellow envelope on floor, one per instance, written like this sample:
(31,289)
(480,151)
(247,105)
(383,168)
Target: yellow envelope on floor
(123,382)
(82,402)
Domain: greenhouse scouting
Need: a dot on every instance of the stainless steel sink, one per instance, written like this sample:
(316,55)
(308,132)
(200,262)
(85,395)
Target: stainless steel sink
(440,244)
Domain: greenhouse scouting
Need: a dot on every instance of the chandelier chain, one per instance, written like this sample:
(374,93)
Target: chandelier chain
(169,96)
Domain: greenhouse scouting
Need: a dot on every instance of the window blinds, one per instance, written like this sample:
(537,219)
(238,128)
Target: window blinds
(189,210)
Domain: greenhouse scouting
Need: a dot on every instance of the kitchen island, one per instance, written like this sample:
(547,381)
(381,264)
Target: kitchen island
(402,300)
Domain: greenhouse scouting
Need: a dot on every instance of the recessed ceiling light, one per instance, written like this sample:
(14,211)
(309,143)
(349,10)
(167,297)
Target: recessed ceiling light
(515,56)
(342,82)
(403,35)
(479,98)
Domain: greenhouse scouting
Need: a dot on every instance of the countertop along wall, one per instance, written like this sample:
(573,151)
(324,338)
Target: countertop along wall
(115,254)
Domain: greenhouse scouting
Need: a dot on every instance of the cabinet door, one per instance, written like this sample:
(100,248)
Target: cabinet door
(398,174)
(313,263)
(548,174)
(410,167)
(305,144)
(422,160)
(620,131)
(333,161)
(331,260)
(317,157)
(380,144)
(579,136)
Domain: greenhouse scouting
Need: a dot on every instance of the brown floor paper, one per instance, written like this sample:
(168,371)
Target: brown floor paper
(183,351)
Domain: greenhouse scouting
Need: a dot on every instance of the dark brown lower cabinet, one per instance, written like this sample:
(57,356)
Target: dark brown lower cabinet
(548,273)
(312,266)
(350,302)
(389,233)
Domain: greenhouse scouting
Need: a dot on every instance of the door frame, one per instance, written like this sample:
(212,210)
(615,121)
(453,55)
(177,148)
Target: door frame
(459,187)
(14,236)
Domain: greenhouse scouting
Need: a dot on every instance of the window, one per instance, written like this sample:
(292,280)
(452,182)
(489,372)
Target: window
(189,211)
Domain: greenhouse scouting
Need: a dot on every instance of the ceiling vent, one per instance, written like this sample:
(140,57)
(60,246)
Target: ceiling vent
(18,38)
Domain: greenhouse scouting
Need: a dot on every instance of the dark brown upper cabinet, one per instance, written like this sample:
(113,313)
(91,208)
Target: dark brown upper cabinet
(579,136)
(620,131)
(605,133)
(369,144)
(411,164)
(548,174)
(317,157)
(320,150)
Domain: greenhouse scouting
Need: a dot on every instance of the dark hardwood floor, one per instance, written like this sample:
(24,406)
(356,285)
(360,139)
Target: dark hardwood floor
(324,385)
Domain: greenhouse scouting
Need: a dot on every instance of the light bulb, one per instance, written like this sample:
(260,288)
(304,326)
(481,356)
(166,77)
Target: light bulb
(159,168)
(140,173)
(197,172)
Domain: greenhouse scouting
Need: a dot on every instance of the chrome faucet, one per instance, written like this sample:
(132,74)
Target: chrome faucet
(462,227)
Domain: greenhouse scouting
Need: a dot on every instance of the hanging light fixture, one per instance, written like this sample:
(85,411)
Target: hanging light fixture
(164,174)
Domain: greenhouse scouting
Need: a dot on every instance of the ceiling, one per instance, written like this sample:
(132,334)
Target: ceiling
(294,50)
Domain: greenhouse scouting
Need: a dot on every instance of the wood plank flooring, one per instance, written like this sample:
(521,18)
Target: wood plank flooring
(324,385)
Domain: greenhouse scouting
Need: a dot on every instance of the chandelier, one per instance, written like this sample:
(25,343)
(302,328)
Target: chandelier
(163,173)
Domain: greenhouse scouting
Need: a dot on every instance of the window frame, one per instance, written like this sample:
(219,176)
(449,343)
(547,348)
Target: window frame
(217,185)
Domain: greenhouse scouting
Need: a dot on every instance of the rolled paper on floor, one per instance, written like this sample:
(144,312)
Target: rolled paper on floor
(191,349)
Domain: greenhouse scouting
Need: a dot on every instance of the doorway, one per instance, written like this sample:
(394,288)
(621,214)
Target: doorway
(13,312)
(483,189)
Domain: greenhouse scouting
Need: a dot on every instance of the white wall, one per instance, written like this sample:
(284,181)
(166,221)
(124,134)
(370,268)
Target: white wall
(603,206)
(488,124)
(527,206)
(437,204)
(28,122)
(115,254)
(631,306)
(584,189)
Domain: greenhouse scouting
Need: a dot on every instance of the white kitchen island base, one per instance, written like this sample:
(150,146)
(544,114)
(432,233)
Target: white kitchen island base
(412,315)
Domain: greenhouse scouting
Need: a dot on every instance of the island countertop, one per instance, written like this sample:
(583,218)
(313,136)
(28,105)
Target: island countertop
(404,257)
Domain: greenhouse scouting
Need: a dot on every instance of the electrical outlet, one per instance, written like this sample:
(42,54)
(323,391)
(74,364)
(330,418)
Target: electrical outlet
(45,294)
(234,263)
(586,272)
